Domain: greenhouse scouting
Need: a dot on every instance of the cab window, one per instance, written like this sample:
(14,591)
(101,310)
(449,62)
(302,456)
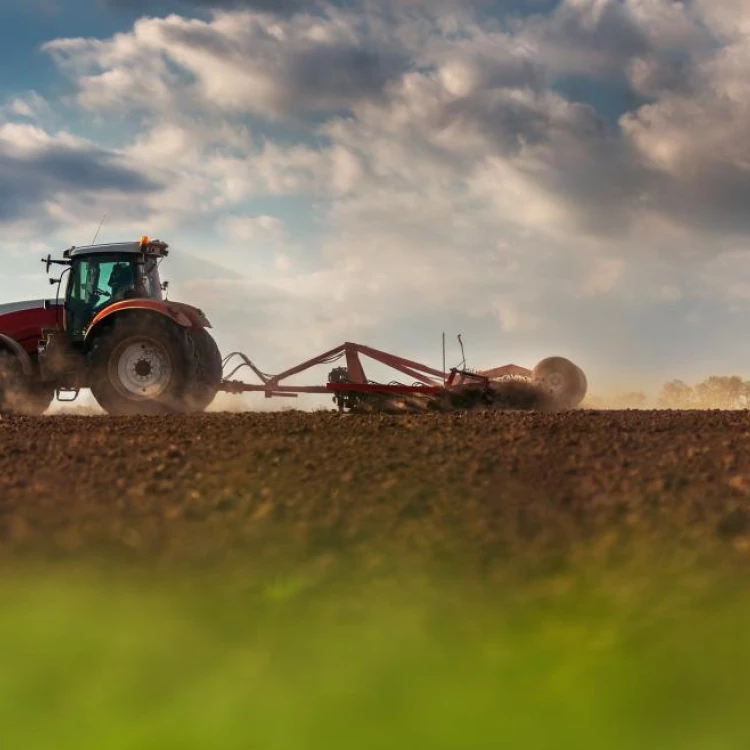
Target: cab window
(95,283)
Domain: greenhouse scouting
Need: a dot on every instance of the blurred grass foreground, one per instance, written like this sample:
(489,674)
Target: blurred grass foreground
(653,655)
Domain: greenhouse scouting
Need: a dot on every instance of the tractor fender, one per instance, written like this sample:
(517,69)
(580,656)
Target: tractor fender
(13,347)
(196,316)
(179,313)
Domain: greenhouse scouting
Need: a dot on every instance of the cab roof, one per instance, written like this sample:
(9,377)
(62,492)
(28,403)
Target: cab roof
(113,247)
(149,247)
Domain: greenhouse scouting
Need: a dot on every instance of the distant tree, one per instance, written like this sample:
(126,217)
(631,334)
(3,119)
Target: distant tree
(721,392)
(676,395)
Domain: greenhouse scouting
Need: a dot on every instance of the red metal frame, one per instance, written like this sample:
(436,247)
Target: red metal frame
(26,326)
(429,380)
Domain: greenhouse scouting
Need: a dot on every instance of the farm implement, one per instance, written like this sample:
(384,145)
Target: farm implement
(553,383)
(112,331)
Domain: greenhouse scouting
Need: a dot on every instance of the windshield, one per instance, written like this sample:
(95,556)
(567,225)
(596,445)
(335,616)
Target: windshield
(100,280)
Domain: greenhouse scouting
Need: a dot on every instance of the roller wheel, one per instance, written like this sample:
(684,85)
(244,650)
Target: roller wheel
(562,380)
(207,370)
(583,384)
(142,364)
(17,394)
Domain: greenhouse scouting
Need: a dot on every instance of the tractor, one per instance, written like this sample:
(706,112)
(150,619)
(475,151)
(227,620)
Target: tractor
(110,331)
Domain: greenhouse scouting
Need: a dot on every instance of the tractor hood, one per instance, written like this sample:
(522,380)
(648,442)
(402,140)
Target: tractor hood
(24,321)
(20,307)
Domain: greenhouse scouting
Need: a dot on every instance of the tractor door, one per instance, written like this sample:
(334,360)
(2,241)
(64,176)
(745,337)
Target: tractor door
(84,279)
(95,283)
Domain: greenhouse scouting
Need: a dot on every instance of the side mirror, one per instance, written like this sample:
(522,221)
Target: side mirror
(49,262)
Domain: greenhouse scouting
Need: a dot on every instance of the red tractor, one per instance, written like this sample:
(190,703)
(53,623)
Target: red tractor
(112,332)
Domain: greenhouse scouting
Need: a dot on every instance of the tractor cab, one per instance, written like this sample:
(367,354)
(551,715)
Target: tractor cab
(115,335)
(102,275)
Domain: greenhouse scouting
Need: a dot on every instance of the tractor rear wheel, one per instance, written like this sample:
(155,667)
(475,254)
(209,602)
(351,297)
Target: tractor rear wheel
(140,365)
(562,380)
(18,395)
(207,370)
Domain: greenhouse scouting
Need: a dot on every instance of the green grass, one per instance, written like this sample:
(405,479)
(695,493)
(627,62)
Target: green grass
(631,657)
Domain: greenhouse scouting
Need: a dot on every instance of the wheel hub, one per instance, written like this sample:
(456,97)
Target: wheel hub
(555,382)
(144,369)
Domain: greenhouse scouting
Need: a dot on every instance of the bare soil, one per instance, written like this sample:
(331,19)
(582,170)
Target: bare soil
(474,488)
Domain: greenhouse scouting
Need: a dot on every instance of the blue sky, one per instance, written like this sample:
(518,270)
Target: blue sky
(543,177)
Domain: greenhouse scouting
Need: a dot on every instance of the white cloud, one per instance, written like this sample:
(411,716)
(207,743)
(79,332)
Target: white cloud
(453,182)
(670,293)
(56,178)
(30,106)
(604,276)
(606,38)
(728,18)
(509,316)
(696,140)
(241,61)
(263,228)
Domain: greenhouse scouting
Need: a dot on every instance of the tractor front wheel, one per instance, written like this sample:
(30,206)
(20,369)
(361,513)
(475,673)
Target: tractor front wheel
(140,365)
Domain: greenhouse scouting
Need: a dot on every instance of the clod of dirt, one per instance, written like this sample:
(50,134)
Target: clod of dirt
(477,485)
(735,523)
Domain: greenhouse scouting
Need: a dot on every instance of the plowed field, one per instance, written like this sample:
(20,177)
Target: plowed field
(466,487)
(290,581)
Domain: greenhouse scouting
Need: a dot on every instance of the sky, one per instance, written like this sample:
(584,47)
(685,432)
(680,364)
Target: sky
(544,177)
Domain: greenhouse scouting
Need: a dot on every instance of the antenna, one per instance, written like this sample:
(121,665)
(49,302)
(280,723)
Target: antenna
(99,229)
(443,358)
(463,360)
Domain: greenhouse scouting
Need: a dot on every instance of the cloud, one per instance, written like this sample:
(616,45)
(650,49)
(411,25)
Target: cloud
(604,276)
(40,171)
(264,228)
(275,7)
(729,19)
(614,38)
(695,142)
(239,62)
(449,178)
(30,106)
(589,36)
(476,98)
(509,317)
(474,106)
